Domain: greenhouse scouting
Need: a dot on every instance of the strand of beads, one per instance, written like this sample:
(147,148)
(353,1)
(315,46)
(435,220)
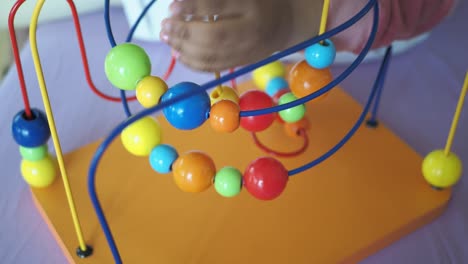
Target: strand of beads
(313,73)
(306,77)
(31,134)
(128,67)
(272,79)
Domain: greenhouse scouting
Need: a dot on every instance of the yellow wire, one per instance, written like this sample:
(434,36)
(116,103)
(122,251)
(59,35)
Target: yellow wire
(53,130)
(323,21)
(456,117)
(217,76)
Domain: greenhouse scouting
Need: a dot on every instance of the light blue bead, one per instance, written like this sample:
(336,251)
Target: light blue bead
(162,157)
(320,56)
(275,85)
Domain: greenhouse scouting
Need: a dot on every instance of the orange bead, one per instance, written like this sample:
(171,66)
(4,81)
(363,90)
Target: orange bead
(224,116)
(193,172)
(293,129)
(305,80)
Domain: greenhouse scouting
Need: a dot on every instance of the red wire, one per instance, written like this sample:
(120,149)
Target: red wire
(283,154)
(84,58)
(76,21)
(170,68)
(19,67)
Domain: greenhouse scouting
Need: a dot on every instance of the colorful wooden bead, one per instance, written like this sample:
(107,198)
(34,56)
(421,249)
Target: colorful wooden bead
(162,157)
(321,55)
(228,182)
(305,80)
(224,116)
(149,91)
(275,85)
(254,100)
(30,133)
(193,172)
(33,154)
(293,129)
(142,136)
(188,113)
(265,178)
(441,170)
(291,114)
(40,173)
(126,64)
(223,93)
(262,75)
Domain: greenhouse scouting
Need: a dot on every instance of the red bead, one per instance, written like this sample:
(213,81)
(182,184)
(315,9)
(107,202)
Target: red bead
(278,95)
(254,100)
(265,178)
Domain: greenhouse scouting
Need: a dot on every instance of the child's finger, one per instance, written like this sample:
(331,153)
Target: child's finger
(204,7)
(206,59)
(204,66)
(220,34)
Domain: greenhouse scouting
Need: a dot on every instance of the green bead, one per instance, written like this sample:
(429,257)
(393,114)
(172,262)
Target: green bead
(126,64)
(33,154)
(293,114)
(228,182)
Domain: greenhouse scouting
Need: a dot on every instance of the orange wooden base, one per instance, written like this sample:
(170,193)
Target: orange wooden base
(365,197)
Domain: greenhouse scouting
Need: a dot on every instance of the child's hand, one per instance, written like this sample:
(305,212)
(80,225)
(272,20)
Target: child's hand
(246,31)
(243,31)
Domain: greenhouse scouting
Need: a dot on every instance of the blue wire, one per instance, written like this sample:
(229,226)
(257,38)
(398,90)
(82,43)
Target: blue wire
(137,22)
(334,82)
(110,36)
(373,117)
(347,137)
(126,108)
(107,141)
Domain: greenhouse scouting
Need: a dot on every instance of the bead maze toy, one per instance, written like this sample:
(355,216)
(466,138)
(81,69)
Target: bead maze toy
(354,192)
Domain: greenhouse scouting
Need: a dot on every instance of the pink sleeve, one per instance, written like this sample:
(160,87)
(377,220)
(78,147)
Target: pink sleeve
(399,19)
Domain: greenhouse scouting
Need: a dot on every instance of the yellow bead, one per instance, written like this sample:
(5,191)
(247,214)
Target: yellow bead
(39,173)
(261,76)
(441,170)
(149,90)
(142,136)
(224,93)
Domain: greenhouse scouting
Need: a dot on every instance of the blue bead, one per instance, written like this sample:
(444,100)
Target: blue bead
(320,56)
(30,133)
(275,85)
(162,157)
(189,113)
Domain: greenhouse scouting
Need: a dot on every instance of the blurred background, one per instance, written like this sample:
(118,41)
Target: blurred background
(52,10)
(148,29)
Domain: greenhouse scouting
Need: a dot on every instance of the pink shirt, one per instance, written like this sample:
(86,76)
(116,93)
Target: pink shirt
(399,19)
